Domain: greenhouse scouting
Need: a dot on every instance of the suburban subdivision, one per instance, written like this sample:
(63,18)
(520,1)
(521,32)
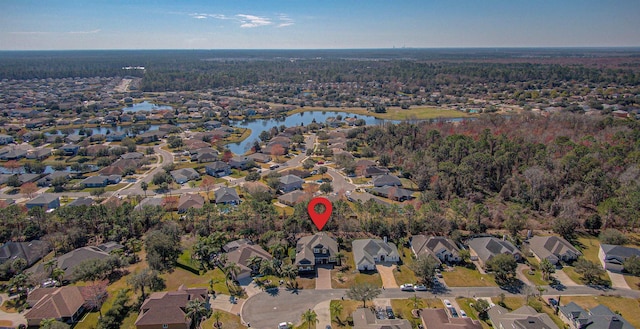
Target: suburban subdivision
(469,190)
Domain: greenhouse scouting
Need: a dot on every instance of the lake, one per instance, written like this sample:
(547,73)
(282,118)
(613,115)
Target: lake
(298,119)
(146,106)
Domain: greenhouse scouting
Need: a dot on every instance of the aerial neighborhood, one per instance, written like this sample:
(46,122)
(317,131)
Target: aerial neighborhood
(156,199)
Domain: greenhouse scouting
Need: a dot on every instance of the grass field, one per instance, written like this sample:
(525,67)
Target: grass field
(402,308)
(348,306)
(465,277)
(394,113)
(228,321)
(403,273)
(629,308)
(471,312)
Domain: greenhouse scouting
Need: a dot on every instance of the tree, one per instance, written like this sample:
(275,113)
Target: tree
(53,324)
(547,269)
(216,317)
(590,271)
(196,311)
(612,236)
(231,271)
(481,306)
(363,292)
(336,309)
(415,302)
(144,186)
(162,250)
(309,317)
(515,221)
(252,176)
(326,187)
(97,192)
(504,266)
(425,268)
(277,150)
(593,223)
(566,226)
(12,165)
(29,189)
(57,274)
(145,279)
(208,183)
(322,170)
(632,265)
(97,292)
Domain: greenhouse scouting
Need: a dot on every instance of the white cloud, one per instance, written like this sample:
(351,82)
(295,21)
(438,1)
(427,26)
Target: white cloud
(85,32)
(250,21)
(285,21)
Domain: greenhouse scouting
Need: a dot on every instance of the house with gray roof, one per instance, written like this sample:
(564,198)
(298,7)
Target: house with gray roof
(184,175)
(294,197)
(364,318)
(440,248)
(289,183)
(241,255)
(48,179)
(484,248)
(523,318)
(393,193)
(612,257)
(369,252)
(313,250)
(45,200)
(553,248)
(227,195)
(150,202)
(81,201)
(218,169)
(30,251)
(599,317)
(386,180)
(69,261)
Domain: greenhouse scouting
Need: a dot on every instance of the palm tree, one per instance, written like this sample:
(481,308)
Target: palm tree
(546,268)
(50,265)
(289,271)
(339,258)
(310,317)
(196,311)
(47,323)
(57,274)
(266,267)
(231,271)
(336,310)
(254,263)
(216,316)
(278,250)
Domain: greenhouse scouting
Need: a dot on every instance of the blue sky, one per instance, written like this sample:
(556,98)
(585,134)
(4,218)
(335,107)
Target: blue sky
(301,24)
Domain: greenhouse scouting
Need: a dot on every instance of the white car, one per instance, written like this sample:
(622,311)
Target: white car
(447,303)
(406,287)
(420,287)
(284,325)
(463,314)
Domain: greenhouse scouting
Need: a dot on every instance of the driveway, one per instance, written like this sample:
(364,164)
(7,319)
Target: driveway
(521,271)
(617,280)
(386,273)
(323,280)
(564,278)
(15,318)
(323,311)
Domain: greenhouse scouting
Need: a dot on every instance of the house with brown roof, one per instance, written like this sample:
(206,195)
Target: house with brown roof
(437,318)
(190,201)
(440,248)
(241,255)
(167,309)
(314,250)
(65,304)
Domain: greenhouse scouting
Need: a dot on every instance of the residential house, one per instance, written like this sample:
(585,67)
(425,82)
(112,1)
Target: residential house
(386,180)
(369,172)
(70,149)
(7,154)
(120,167)
(30,251)
(65,304)
(116,136)
(369,252)
(95,181)
(437,318)
(313,250)
(236,244)
(441,248)
(39,153)
(599,317)
(523,318)
(189,200)
(48,179)
(151,202)
(5,139)
(241,256)
(289,183)
(239,162)
(484,248)
(45,200)
(364,318)
(612,257)
(69,261)
(218,169)
(167,309)
(28,178)
(393,192)
(81,201)
(227,195)
(184,175)
(132,156)
(294,197)
(260,157)
(553,248)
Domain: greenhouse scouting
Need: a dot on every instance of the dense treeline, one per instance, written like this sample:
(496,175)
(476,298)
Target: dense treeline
(561,166)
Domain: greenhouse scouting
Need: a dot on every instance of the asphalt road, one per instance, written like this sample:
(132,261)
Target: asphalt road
(267,309)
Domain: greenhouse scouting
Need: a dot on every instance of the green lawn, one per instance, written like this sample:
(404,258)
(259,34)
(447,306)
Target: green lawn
(348,306)
(345,279)
(228,321)
(403,273)
(465,277)
(536,278)
(402,308)
(471,312)
(589,246)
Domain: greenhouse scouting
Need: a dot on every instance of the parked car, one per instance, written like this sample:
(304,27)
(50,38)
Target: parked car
(463,314)
(406,287)
(390,314)
(381,314)
(447,303)
(49,283)
(553,302)
(420,287)
(285,325)
(272,167)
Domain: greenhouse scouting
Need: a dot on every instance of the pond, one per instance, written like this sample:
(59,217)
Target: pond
(146,106)
(298,119)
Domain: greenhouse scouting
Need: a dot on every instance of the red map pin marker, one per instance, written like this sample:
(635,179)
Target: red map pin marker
(320,219)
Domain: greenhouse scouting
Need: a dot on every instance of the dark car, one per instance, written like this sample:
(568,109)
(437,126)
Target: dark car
(553,302)
(380,314)
(390,314)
